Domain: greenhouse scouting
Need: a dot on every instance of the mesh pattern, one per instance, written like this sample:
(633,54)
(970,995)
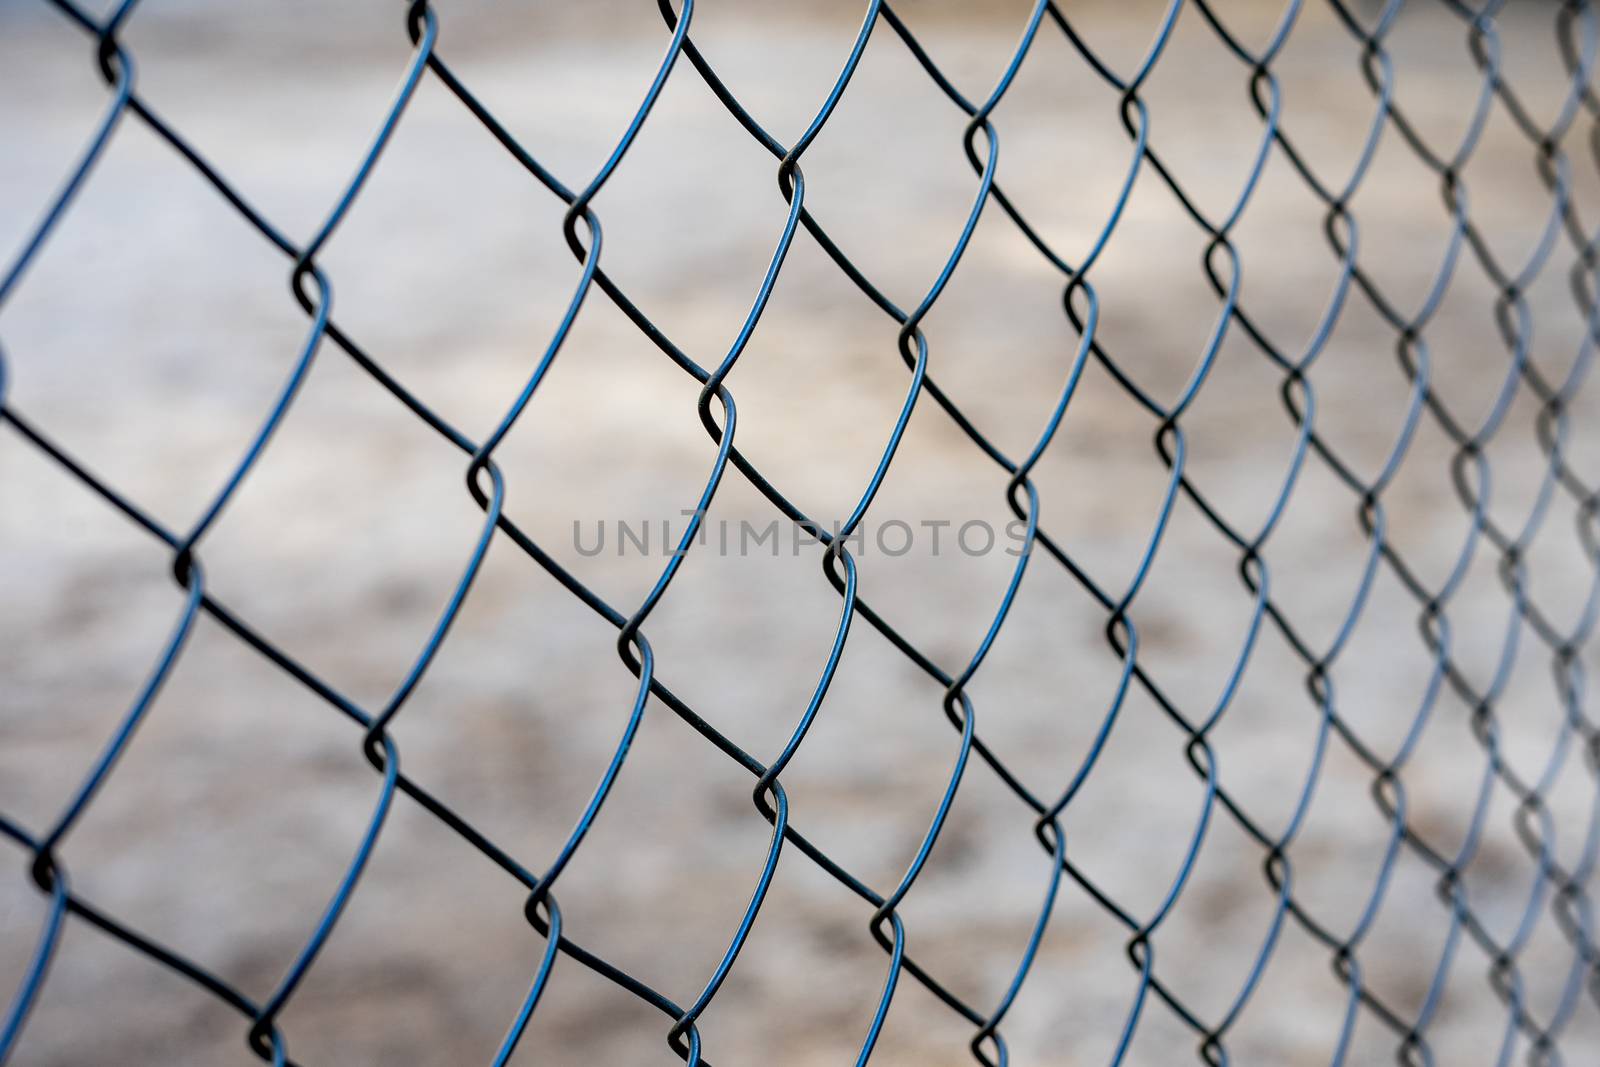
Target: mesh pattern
(1559,892)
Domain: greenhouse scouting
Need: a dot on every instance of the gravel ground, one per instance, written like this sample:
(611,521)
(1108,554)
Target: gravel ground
(152,334)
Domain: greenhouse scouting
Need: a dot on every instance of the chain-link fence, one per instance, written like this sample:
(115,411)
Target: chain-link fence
(1498,599)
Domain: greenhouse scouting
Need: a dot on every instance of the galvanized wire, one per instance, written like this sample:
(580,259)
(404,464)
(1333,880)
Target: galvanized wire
(1562,892)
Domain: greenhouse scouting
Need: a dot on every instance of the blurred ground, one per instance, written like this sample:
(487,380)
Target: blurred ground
(154,330)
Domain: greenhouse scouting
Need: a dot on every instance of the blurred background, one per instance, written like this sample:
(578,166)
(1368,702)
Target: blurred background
(154,330)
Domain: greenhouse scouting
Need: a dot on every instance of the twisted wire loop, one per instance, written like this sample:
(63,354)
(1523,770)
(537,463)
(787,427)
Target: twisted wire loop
(1560,890)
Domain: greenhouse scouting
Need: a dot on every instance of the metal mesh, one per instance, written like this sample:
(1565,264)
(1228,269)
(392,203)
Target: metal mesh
(1558,893)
